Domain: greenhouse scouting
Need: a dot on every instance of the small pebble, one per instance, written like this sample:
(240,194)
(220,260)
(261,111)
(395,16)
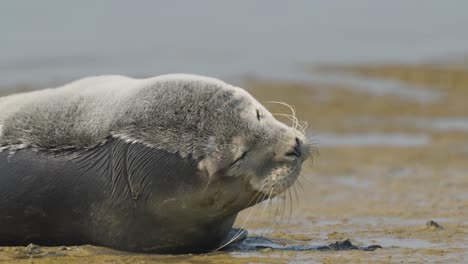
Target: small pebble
(33,249)
(434,225)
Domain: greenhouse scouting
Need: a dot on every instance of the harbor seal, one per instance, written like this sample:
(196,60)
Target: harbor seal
(161,165)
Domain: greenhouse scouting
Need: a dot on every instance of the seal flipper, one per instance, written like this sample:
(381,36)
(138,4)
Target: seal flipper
(235,236)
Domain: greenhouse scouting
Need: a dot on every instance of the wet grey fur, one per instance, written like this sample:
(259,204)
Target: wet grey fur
(155,111)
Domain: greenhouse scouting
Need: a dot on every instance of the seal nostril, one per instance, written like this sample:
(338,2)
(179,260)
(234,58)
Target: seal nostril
(297,151)
(298,143)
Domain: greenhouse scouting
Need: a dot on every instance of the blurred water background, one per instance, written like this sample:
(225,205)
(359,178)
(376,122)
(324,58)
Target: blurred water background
(52,41)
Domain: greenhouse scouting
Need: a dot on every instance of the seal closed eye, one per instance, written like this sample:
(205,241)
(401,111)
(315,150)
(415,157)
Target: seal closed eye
(238,159)
(159,165)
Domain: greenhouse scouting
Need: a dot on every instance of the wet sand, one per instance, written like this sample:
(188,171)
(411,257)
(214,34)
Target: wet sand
(386,166)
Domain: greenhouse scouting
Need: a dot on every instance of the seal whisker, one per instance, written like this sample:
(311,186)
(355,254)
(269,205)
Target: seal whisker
(280,210)
(266,203)
(299,184)
(303,126)
(237,235)
(296,195)
(283,206)
(268,200)
(256,197)
(298,200)
(280,207)
(273,213)
(277,218)
(290,117)
(275,221)
(285,104)
(293,111)
(287,206)
(313,150)
(290,203)
(305,178)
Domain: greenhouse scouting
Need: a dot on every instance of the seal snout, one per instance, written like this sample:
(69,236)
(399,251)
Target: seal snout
(296,150)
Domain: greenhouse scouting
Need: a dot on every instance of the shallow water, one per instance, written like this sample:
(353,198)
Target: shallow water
(371,86)
(432,124)
(373,139)
(446,124)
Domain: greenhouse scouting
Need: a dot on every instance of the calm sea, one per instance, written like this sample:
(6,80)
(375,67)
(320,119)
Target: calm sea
(50,41)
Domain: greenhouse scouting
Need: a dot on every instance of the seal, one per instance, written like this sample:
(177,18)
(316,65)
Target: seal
(161,165)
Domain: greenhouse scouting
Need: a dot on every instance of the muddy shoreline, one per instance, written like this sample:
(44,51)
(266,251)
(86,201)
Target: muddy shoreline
(359,188)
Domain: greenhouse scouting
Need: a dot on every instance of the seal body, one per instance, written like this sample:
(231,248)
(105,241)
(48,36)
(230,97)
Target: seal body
(154,165)
(102,197)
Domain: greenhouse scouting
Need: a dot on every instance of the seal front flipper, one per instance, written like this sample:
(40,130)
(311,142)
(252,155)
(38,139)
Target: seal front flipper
(235,236)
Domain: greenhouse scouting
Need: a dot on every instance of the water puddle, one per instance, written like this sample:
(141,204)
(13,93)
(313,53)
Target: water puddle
(378,87)
(447,124)
(362,84)
(256,243)
(373,140)
(392,242)
(393,221)
(443,124)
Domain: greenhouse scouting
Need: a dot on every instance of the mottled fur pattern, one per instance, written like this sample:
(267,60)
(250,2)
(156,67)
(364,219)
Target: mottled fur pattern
(223,127)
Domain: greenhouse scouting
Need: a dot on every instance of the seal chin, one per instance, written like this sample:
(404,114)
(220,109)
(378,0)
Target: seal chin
(285,171)
(279,179)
